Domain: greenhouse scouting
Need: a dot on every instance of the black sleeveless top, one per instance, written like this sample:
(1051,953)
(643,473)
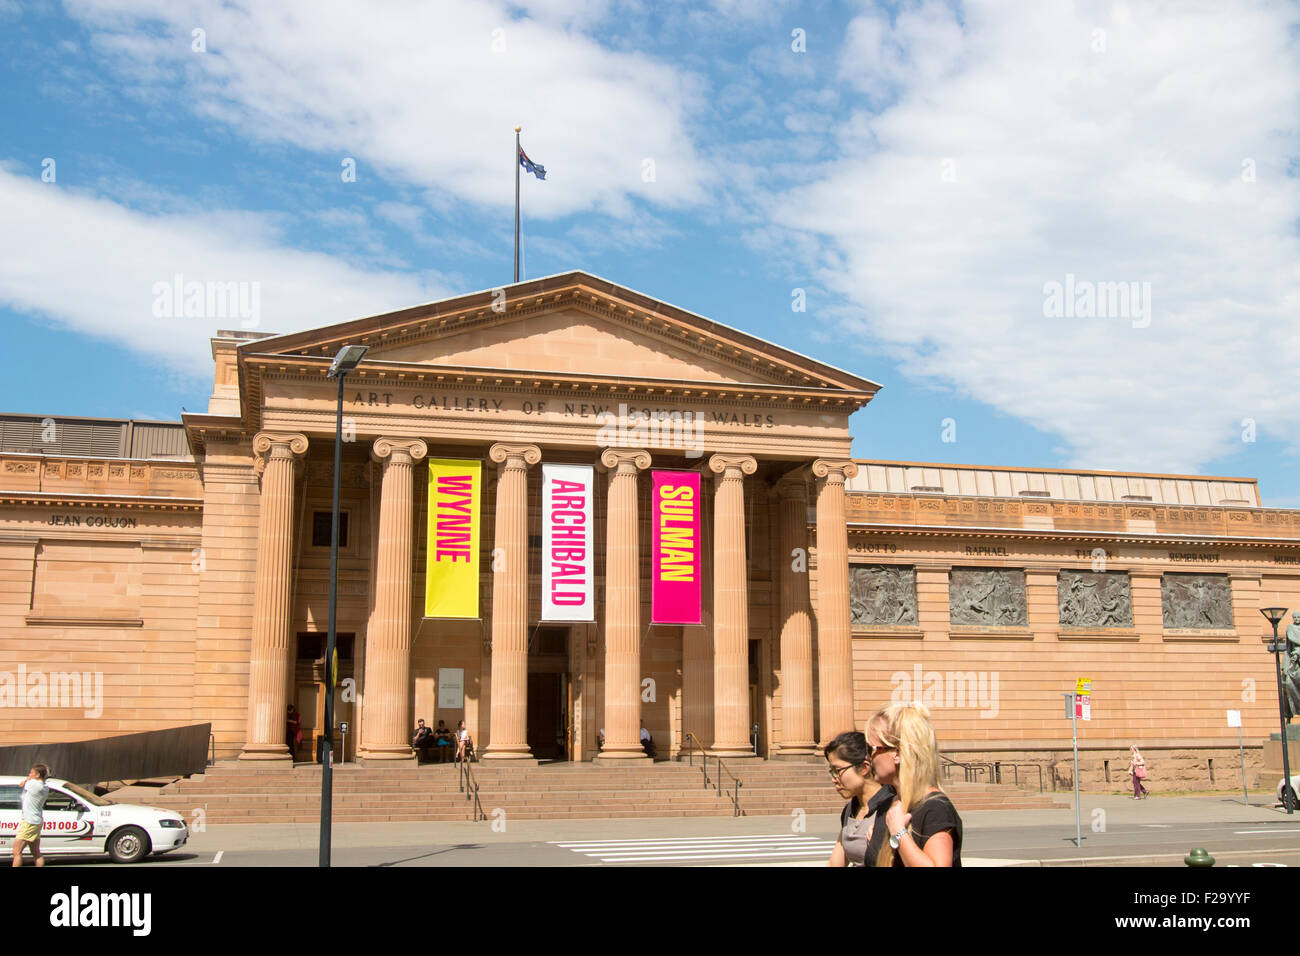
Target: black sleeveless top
(933,815)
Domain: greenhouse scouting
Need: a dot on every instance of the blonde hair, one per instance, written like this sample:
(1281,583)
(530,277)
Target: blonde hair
(907,728)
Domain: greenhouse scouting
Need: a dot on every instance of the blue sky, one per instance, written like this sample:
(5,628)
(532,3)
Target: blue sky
(924,171)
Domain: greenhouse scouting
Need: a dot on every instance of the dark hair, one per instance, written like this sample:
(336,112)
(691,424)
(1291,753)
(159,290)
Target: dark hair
(851,746)
(41,770)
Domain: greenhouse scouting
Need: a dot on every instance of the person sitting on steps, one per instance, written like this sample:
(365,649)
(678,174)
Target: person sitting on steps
(445,740)
(647,742)
(422,742)
(464,743)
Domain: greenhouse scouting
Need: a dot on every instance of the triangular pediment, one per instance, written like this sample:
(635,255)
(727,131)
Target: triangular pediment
(567,325)
(571,339)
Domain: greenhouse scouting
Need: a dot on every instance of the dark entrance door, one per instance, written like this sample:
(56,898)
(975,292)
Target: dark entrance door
(548,666)
(546,716)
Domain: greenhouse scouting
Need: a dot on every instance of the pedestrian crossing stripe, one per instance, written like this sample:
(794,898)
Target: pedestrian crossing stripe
(687,849)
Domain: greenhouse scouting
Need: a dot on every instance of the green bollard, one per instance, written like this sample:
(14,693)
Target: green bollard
(1199,857)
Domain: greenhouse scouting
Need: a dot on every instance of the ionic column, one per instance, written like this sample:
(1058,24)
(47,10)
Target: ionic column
(834,637)
(269,662)
(385,716)
(622,609)
(730,607)
(697,654)
(508,725)
(797,738)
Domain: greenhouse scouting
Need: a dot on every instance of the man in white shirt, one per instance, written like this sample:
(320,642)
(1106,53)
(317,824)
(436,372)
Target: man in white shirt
(35,790)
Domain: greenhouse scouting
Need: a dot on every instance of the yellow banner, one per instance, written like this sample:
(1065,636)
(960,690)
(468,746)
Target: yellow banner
(451,584)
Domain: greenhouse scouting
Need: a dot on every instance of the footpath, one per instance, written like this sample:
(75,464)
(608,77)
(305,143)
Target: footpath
(1117,831)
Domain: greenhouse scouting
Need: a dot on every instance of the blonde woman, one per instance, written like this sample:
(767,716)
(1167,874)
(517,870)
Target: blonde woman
(1137,766)
(922,827)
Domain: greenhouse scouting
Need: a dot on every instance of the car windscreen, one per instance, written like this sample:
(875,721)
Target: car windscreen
(86,795)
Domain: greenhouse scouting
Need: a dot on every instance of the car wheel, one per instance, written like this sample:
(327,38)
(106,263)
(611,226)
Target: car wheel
(128,845)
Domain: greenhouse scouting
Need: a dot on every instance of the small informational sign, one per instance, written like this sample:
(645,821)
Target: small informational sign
(1085,708)
(1070,712)
(1083,685)
(343,726)
(451,688)
(1234,718)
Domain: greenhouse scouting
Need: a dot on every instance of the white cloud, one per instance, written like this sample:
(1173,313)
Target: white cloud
(429,97)
(94,267)
(1123,164)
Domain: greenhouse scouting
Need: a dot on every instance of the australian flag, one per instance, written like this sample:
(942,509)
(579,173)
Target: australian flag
(537,169)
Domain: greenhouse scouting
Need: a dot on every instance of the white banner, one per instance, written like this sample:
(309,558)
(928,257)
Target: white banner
(568,565)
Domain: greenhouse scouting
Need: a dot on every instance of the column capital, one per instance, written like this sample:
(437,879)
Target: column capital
(834,468)
(267,445)
(515,456)
(398,450)
(612,459)
(722,464)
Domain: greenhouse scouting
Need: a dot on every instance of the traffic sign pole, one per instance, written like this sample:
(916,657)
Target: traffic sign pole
(1073,714)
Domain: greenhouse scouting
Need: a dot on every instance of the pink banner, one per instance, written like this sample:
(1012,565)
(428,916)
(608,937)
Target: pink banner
(676,569)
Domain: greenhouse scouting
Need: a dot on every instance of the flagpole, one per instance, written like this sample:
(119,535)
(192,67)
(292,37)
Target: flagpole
(516,204)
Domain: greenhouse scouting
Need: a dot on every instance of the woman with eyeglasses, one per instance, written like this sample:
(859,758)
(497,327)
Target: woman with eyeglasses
(921,826)
(846,761)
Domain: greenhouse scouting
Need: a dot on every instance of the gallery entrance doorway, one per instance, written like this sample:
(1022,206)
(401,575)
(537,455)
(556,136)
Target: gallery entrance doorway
(550,694)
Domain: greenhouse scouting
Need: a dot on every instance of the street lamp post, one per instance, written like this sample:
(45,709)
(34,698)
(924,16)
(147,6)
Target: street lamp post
(1275,614)
(349,358)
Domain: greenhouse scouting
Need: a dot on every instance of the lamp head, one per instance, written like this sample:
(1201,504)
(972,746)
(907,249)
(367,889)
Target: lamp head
(1274,614)
(349,358)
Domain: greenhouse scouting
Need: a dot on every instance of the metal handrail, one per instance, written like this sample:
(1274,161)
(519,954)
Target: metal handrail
(691,743)
(1015,768)
(469,787)
(971,770)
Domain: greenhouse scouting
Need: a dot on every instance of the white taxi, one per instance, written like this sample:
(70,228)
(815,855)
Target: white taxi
(77,821)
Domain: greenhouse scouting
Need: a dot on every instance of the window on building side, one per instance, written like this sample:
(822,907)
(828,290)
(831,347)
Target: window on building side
(321,529)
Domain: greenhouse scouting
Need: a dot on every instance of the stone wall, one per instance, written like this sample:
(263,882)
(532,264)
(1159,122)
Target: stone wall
(1169,770)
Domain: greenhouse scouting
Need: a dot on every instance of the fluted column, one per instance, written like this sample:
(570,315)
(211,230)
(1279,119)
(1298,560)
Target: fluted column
(385,717)
(697,653)
(730,607)
(797,738)
(834,637)
(622,609)
(508,726)
(269,660)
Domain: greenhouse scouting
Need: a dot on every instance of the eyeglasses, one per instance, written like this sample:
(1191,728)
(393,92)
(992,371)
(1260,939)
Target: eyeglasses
(837,772)
(872,751)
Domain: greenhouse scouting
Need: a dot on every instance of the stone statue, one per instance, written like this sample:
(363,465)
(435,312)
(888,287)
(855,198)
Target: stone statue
(1291,669)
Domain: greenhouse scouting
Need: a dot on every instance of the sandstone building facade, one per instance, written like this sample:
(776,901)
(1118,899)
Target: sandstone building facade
(186,564)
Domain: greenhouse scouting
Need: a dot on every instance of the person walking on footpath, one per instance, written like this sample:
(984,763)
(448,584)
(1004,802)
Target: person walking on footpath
(850,770)
(1137,766)
(35,790)
(921,826)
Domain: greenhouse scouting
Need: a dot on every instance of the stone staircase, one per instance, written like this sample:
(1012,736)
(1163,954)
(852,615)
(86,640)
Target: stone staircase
(243,793)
